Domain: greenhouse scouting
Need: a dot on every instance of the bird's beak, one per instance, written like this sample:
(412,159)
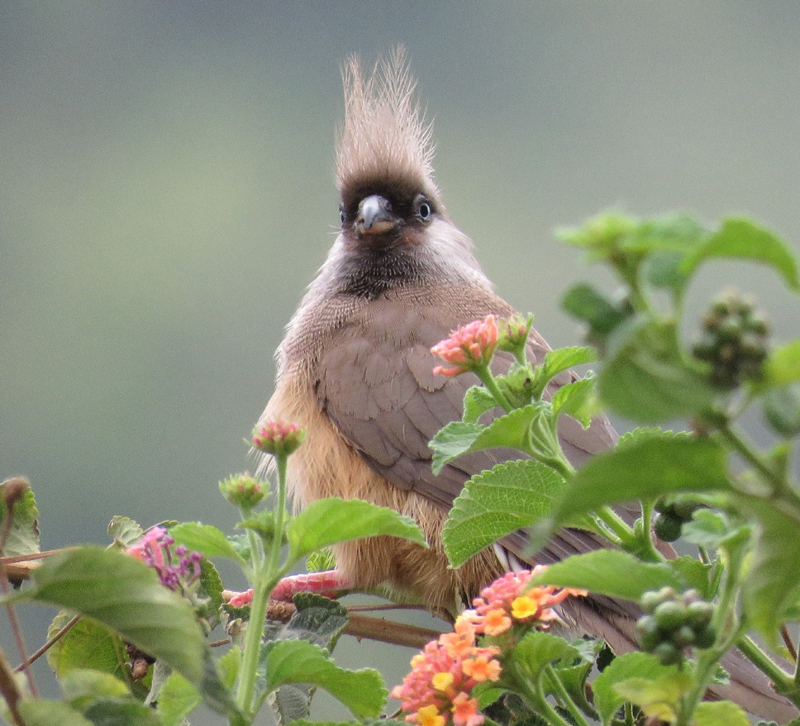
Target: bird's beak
(375,216)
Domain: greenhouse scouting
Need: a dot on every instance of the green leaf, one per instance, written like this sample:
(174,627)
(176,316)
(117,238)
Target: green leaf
(538,649)
(773,582)
(477,401)
(646,470)
(109,712)
(658,698)
(720,713)
(577,399)
(295,661)
(603,316)
(229,666)
(709,528)
(176,700)
(81,686)
(561,359)
(782,409)
(125,595)
(742,238)
(669,232)
(89,645)
(23,534)
(509,431)
(606,699)
(645,378)
(329,521)
(632,438)
(783,365)
(453,440)
(498,502)
(48,713)
(206,539)
(124,531)
(321,561)
(609,572)
(695,574)
(209,593)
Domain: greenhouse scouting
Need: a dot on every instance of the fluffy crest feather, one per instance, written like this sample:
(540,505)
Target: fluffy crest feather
(385,137)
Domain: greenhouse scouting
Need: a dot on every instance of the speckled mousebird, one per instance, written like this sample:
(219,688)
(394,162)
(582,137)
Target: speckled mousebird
(355,369)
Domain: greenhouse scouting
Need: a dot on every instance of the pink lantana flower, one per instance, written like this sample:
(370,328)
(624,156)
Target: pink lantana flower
(468,348)
(177,568)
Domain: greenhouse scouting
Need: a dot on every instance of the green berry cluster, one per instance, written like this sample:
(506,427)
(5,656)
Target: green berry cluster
(673,622)
(734,341)
(672,515)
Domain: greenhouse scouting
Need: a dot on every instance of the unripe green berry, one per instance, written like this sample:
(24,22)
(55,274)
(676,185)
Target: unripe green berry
(650,601)
(685,509)
(668,528)
(668,653)
(683,636)
(705,637)
(699,614)
(670,615)
(647,632)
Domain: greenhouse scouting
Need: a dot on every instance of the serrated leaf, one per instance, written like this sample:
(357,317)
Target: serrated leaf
(317,620)
(561,359)
(783,364)
(47,713)
(606,699)
(211,590)
(229,665)
(176,700)
(741,238)
(124,531)
(709,528)
(609,572)
(321,561)
(125,595)
(451,441)
(88,645)
(695,574)
(498,502)
(658,697)
(576,399)
(206,539)
(632,438)
(477,401)
(720,713)
(333,520)
(23,534)
(81,686)
(538,649)
(296,661)
(509,431)
(110,712)
(641,471)
(773,582)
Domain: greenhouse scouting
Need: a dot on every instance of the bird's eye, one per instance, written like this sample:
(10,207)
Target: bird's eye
(424,209)
(341,215)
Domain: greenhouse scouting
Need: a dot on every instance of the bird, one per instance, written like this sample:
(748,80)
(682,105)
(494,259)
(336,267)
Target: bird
(355,369)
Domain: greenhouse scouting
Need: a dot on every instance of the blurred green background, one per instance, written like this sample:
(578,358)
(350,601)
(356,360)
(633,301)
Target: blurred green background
(166,192)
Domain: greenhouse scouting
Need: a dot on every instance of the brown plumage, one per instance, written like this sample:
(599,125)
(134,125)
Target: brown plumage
(355,369)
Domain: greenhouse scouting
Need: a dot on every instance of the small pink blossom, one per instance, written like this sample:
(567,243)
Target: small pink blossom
(468,348)
(278,437)
(177,568)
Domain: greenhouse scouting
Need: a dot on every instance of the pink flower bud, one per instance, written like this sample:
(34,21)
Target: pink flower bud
(278,437)
(242,490)
(468,348)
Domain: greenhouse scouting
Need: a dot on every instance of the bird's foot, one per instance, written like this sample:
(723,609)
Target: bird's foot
(329,583)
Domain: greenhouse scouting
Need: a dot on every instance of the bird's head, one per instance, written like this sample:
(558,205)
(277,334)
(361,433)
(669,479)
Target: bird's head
(384,158)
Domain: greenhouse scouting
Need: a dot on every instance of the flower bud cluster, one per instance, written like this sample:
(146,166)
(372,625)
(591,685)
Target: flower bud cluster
(673,622)
(734,341)
(672,515)
(278,437)
(468,348)
(243,490)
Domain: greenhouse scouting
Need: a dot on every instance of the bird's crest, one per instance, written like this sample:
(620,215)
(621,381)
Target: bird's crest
(385,137)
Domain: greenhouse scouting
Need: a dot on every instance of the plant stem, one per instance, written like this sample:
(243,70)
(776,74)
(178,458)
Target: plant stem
(485,376)
(280,513)
(564,697)
(252,646)
(765,664)
(748,453)
(618,526)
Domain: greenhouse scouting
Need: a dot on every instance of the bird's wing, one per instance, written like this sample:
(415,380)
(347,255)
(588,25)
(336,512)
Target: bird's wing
(376,383)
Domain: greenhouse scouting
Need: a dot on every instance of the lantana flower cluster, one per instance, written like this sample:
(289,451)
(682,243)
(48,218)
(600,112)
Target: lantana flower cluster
(438,690)
(468,348)
(509,600)
(177,569)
